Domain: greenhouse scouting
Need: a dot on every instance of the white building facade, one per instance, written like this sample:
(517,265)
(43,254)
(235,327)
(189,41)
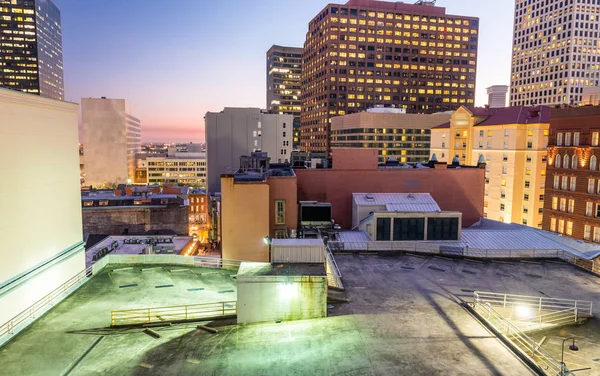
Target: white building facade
(236,132)
(181,168)
(111,138)
(42,240)
(556,51)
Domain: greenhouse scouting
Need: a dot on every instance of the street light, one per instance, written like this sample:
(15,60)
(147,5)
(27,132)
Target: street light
(572,347)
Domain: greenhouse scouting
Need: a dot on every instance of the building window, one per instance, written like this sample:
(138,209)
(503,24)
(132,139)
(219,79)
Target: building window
(574,162)
(595,136)
(593,162)
(569,228)
(556,182)
(480,133)
(489,144)
(526,197)
(557,161)
(566,161)
(280,234)
(503,182)
(596,234)
(506,133)
(576,139)
(571,206)
(384,226)
(504,170)
(525,222)
(561,226)
(573,183)
(501,207)
(559,139)
(563,204)
(529,145)
(554,203)
(587,232)
(525,210)
(553,224)
(565,182)
(591,186)
(541,198)
(597,210)
(527,183)
(567,139)
(506,144)
(505,158)
(279,212)
(589,208)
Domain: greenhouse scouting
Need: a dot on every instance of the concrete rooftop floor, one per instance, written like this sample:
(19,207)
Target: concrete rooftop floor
(403,317)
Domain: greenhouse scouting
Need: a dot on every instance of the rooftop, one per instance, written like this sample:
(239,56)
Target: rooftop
(507,115)
(404,313)
(297,242)
(401,202)
(255,269)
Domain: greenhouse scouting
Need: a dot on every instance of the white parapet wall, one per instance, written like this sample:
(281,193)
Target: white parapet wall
(40,202)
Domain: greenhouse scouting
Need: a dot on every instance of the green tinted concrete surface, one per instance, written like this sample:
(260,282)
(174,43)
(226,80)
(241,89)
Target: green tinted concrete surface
(404,318)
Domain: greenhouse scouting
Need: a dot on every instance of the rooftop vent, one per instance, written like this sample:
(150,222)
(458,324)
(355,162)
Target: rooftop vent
(411,196)
(369,197)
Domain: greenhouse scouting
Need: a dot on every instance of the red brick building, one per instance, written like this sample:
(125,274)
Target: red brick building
(366,53)
(454,189)
(572,198)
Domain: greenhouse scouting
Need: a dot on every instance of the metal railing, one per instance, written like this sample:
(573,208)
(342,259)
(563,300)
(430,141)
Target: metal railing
(42,305)
(27,316)
(334,277)
(526,344)
(191,312)
(539,304)
(459,251)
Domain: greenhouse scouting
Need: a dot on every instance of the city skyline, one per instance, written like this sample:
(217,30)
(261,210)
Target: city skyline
(132,58)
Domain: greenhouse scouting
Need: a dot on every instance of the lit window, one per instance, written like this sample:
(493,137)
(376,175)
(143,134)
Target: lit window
(587,232)
(279,212)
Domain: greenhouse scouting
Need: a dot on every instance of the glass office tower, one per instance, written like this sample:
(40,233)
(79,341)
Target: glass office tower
(31,47)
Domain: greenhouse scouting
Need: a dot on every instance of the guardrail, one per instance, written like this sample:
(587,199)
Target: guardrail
(459,251)
(20,321)
(526,344)
(191,312)
(26,317)
(334,277)
(533,303)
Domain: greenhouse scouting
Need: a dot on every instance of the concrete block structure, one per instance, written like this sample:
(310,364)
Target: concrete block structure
(42,241)
(235,132)
(271,292)
(111,138)
(497,96)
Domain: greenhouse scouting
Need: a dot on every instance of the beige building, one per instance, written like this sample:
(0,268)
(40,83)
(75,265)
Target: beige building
(42,240)
(403,136)
(111,137)
(513,142)
(185,168)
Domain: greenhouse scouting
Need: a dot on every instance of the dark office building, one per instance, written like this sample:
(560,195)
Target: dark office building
(31,47)
(370,53)
(284,70)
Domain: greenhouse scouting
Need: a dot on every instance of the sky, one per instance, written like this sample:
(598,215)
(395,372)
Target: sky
(176,60)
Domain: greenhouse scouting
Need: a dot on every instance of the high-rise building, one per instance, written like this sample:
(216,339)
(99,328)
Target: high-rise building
(573,183)
(405,137)
(512,142)
(497,96)
(31,58)
(236,132)
(111,138)
(46,232)
(555,51)
(284,71)
(368,53)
